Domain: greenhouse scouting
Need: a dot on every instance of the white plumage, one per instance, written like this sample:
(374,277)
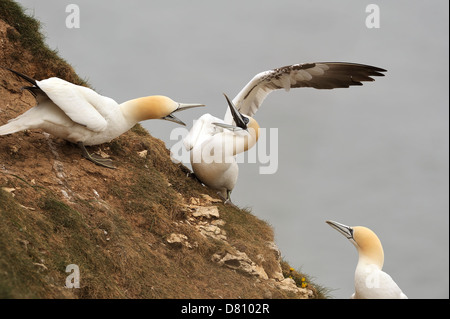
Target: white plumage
(81,115)
(321,75)
(371,282)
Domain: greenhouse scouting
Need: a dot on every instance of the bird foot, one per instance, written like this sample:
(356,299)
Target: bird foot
(227,201)
(96,159)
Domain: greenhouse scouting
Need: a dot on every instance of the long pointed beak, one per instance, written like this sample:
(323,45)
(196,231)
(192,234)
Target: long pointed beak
(238,118)
(345,230)
(185,106)
(181,107)
(228,126)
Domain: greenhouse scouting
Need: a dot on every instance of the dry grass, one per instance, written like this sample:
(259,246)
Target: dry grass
(112,223)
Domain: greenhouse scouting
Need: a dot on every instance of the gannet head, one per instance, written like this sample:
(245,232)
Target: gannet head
(365,240)
(155,107)
(243,122)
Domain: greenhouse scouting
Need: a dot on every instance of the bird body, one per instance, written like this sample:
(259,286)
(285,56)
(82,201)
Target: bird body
(371,282)
(96,119)
(214,146)
(322,75)
(81,115)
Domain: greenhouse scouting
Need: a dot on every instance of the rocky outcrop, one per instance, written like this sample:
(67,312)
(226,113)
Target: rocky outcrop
(206,220)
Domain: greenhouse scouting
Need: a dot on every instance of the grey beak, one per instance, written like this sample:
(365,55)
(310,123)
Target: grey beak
(185,106)
(345,230)
(238,118)
(181,107)
(228,126)
(173,118)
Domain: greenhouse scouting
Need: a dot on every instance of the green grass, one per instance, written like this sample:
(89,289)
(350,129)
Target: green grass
(303,280)
(27,32)
(118,240)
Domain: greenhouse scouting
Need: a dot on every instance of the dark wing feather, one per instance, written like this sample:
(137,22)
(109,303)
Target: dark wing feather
(318,75)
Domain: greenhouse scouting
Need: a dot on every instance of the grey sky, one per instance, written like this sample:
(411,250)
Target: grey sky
(375,155)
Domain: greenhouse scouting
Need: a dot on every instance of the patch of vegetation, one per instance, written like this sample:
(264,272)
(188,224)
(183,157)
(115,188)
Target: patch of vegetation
(117,236)
(304,281)
(61,214)
(140,130)
(27,31)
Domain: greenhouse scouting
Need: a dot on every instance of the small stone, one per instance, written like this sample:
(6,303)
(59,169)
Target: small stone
(9,190)
(210,199)
(239,261)
(178,240)
(194,201)
(143,154)
(207,212)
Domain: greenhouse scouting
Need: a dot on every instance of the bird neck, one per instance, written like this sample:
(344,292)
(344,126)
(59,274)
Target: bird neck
(371,255)
(146,108)
(243,142)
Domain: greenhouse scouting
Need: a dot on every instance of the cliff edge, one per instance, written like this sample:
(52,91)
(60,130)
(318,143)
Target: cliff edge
(143,230)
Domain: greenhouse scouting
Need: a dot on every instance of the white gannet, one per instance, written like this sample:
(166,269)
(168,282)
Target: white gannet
(208,137)
(82,116)
(370,281)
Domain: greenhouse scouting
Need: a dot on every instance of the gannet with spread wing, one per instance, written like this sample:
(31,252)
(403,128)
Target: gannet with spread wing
(214,142)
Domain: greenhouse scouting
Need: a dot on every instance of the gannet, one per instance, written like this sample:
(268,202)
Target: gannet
(84,117)
(370,281)
(208,137)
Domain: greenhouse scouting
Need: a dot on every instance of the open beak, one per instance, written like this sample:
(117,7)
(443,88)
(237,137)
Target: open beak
(181,107)
(347,231)
(228,126)
(237,117)
(173,118)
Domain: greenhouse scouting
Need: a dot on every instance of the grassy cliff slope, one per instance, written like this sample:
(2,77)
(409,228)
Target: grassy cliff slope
(144,230)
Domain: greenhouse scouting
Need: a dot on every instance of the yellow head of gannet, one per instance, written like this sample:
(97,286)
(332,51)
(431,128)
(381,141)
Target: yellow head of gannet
(245,124)
(82,116)
(370,281)
(154,107)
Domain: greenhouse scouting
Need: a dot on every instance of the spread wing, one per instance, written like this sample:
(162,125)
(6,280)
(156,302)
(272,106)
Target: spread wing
(319,75)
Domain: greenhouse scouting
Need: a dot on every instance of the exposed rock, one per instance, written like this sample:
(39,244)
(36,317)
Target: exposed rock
(210,199)
(288,284)
(278,273)
(143,154)
(239,261)
(178,240)
(212,231)
(206,212)
(9,190)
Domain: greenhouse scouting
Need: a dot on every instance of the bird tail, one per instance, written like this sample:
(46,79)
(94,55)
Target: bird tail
(23,76)
(12,127)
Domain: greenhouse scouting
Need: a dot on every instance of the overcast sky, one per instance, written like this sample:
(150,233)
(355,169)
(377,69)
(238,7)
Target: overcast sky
(375,155)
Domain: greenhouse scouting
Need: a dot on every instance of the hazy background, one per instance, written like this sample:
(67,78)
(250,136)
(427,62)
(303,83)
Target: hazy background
(375,155)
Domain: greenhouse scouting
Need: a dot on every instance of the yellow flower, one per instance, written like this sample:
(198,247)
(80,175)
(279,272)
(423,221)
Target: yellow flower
(304,285)
(303,279)
(291,269)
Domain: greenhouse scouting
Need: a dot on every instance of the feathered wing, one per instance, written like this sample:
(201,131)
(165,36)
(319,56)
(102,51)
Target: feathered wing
(79,103)
(202,130)
(319,75)
(82,105)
